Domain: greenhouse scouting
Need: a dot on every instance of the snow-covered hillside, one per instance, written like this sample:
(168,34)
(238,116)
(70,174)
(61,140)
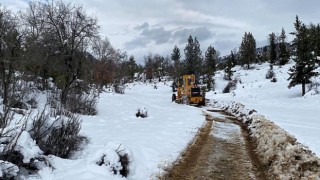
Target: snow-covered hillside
(286,107)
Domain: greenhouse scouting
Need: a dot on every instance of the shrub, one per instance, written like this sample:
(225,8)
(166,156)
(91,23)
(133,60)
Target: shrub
(8,170)
(18,149)
(60,136)
(232,85)
(274,80)
(315,86)
(142,113)
(82,103)
(270,74)
(116,158)
(118,88)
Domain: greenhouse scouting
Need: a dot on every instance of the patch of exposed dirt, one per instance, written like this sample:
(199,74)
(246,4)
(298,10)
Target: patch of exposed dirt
(220,151)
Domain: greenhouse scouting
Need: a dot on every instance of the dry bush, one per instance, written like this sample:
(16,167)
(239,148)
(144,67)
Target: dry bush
(142,113)
(118,88)
(8,170)
(232,85)
(315,86)
(14,153)
(82,103)
(270,74)
(59,137)
(117,159)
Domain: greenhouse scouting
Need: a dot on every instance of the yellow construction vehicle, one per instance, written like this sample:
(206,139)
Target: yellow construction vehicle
(187,91)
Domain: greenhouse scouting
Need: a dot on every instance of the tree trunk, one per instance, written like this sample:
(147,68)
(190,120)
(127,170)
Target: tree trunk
(64,96)
(70,78)
(303,88)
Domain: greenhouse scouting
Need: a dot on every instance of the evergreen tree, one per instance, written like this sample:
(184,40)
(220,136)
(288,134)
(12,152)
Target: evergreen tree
(265,54)
(198,57)
(193,59)
(273,49)
(210,61)
(284,53)
(315,37)
(233,59)
(132,67)
(248,50)
(175,57)
(228,70)
(303,70)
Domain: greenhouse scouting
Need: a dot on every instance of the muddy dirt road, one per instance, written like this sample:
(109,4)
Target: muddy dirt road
(220,151)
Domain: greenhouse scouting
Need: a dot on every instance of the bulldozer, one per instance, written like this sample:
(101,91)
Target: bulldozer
(186,91)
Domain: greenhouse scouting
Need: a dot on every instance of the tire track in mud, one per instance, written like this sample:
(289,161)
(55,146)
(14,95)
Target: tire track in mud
(221,150)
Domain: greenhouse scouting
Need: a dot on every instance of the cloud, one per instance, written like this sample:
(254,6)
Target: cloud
(158,35)
(142,26)
(157,25)
(202,33)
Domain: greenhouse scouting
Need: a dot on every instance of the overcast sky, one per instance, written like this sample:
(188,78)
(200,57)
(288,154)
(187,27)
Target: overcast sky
(155,26)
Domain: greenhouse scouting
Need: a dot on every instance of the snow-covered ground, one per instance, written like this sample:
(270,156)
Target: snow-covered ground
(286,107)
(154,142)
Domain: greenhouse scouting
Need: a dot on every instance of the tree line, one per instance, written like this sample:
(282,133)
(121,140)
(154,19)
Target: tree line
(58,40)
(304,50)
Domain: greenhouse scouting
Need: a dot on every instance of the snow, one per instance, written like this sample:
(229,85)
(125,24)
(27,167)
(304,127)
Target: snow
(223,130)
(27,147)
(279,151)
(153,143)
(285,107)
(8,169)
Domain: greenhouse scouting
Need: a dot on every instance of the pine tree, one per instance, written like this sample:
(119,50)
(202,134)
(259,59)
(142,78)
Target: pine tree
(210,61)
(303,70)
(228,70)
(198,57)
(189,56)
(248,50)
(233,59)
(175,57)
(284,53)
(315,37)
(273,49)
(193,59)
(132,67)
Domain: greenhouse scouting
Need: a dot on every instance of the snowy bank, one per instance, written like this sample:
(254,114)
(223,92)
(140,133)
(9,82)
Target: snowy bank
(284,156)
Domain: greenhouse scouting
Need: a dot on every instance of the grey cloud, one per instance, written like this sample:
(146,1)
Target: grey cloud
(158,35)
(202,33)
(142,26)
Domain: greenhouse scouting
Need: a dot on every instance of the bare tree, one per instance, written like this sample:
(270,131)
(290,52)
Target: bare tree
(71,28)
(10,46)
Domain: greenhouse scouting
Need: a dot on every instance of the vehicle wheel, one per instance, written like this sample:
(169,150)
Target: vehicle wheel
(174,97)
